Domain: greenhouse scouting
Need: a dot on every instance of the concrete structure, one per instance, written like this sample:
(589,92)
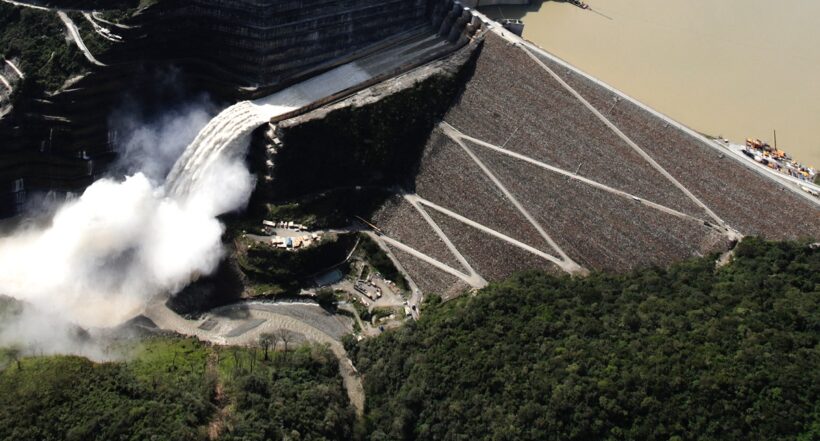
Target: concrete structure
(514,25)
(233,50)
(538,166)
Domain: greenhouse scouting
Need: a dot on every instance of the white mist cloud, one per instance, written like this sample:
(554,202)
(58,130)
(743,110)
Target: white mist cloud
(41,333)
(107,253)
(152,143)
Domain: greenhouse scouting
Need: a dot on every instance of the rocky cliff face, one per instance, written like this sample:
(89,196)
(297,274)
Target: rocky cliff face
(232,49)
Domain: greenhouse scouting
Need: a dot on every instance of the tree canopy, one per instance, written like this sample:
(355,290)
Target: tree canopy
(177,389)
(691,352)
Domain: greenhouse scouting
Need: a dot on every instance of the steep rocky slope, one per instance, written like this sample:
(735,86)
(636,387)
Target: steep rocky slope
(531,166)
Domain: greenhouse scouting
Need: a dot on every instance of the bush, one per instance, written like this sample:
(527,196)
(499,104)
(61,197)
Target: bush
(273,271)
(37,38)
(169,392)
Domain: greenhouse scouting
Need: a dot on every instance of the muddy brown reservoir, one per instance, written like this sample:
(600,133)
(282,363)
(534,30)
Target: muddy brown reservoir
(737,68)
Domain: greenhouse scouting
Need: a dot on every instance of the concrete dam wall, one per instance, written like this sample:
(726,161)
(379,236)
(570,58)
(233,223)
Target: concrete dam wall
(261,44)
(233,50)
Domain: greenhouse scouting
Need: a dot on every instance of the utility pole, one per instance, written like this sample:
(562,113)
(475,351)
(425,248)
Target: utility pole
(775,139)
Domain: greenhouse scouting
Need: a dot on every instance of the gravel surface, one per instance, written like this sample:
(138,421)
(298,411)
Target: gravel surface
(310,314)
(244,327)
(514,103)
(448,177)
(598,229)
(747,201)
(313,315)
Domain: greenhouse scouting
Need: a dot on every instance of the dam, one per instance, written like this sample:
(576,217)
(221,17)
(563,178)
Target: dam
(538,165)
(232,50)
(393,237)
(508,157)
(229,133)
(534,165)
(457,152)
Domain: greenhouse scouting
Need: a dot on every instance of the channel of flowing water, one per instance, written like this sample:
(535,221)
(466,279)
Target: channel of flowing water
(108,252)
(229,132)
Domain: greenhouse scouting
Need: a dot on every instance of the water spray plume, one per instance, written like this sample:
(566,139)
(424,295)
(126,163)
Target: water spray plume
(108,253)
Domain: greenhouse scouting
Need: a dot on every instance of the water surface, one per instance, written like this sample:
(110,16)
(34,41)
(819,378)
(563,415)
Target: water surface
(736,68)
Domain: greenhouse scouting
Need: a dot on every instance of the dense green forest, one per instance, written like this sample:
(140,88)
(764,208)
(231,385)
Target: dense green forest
(297,396)
(37,38)
(177,389)
(690,352)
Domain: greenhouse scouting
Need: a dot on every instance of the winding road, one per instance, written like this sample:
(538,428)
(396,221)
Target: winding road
(102,31)
(27,5)
(78,39)
(15,69)
(243,323)
(6,83)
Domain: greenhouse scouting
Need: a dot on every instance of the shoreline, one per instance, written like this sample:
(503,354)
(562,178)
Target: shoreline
(495,26)
(701,73)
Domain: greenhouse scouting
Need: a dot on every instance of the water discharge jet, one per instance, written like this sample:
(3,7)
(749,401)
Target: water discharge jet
(127,243)
(106,254)
(229,131)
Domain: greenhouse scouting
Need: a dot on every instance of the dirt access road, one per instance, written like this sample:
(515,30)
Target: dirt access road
(242,323)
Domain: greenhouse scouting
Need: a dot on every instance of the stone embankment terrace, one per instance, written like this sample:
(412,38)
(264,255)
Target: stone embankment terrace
(539,166)
(750,202)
